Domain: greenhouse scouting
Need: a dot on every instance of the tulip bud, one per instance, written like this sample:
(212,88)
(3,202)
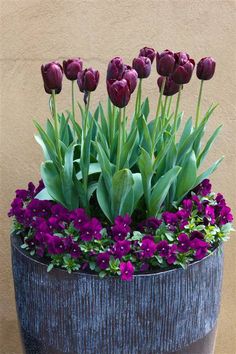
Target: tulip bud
(165,62)
(183,69)
(143,66)
(148,53)
(206,68)
(131,76)
(72,67)
(170,89)
(88,80)
(119,92)
(115,69)
(52,74)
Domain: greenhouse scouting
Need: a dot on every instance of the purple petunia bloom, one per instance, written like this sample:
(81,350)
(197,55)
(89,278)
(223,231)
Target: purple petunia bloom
(103,260)
(148,248)
(22,194)
(150,224)
(163,248)
(187,205)
(170,218)
(55,245)
(210,214)
(200,248)
(171,258)
(196,234)
(144,267)
(79,217)
(125,221)
(122,248)
(225,215)
(197,202)
(204,188)
(75,250)
(184,243)
(90,230)
(60,212)
(119,232)
(127,270)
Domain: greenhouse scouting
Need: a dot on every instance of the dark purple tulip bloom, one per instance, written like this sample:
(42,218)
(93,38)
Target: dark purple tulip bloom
(170,89)
(148,53)
(115,69)
(103,260)
(72,67)
(49,91)
(75,250)
(184,243)
(163,248)
(183,69)
(127,270)
(91,230)
(88,80)
(165,62)
(206,68)
(122,248)
(143,66)
(148,248)
(119,92)
(52,74)
(131,76)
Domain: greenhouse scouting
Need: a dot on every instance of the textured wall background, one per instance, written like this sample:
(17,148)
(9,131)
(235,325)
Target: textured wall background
(34,32)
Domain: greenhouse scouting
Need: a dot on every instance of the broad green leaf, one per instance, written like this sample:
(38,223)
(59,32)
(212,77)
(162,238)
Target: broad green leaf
(93,168)
(122,182)
(160,190)
(146,170)
(208,172)
(52,181)
(187,176)
(207,147)
(103,198)
(43,195)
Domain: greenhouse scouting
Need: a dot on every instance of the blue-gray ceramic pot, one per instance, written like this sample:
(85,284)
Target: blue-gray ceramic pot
(172,311)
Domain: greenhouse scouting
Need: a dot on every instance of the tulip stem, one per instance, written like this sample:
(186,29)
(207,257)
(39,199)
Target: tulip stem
(54,108)
(154,132)
(138,99)
(86,115)
(119,138)
(199,104)
(177,109)
(169,105)
(123,126)
(73,99)
(112,121)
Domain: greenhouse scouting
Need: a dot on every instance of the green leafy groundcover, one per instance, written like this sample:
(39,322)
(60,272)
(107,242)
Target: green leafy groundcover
(73,240)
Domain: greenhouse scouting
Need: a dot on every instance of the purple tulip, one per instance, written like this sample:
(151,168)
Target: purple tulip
(165,62)
(115,69)
(131,76)
(183,68)
(88,80)
(119,92)
(52,74)
(148,53)
(170,89)
(72,67)
(206,68)
(143,66)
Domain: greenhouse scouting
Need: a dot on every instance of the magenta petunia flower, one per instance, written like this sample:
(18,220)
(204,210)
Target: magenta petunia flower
(225,215)
(127,271)
(204,188)
(184,243)
(119,232)
(210,214)
(163,248)
(56,245)
(171,258)
(91,230)
(103,260)
(200,248)
(148,248)
(79,217)
(122,248)
(75,250)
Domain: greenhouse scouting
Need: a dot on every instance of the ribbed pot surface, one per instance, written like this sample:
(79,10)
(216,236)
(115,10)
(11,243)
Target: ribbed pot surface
(173,311)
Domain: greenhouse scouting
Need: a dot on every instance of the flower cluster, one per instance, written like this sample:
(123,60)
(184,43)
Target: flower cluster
(73,240)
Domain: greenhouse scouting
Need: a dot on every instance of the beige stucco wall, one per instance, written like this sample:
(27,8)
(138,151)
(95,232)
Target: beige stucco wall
(35,32)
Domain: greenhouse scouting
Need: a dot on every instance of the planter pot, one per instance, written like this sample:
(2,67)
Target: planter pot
(172,311)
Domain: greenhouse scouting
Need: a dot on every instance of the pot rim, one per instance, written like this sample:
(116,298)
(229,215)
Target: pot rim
(16,244)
